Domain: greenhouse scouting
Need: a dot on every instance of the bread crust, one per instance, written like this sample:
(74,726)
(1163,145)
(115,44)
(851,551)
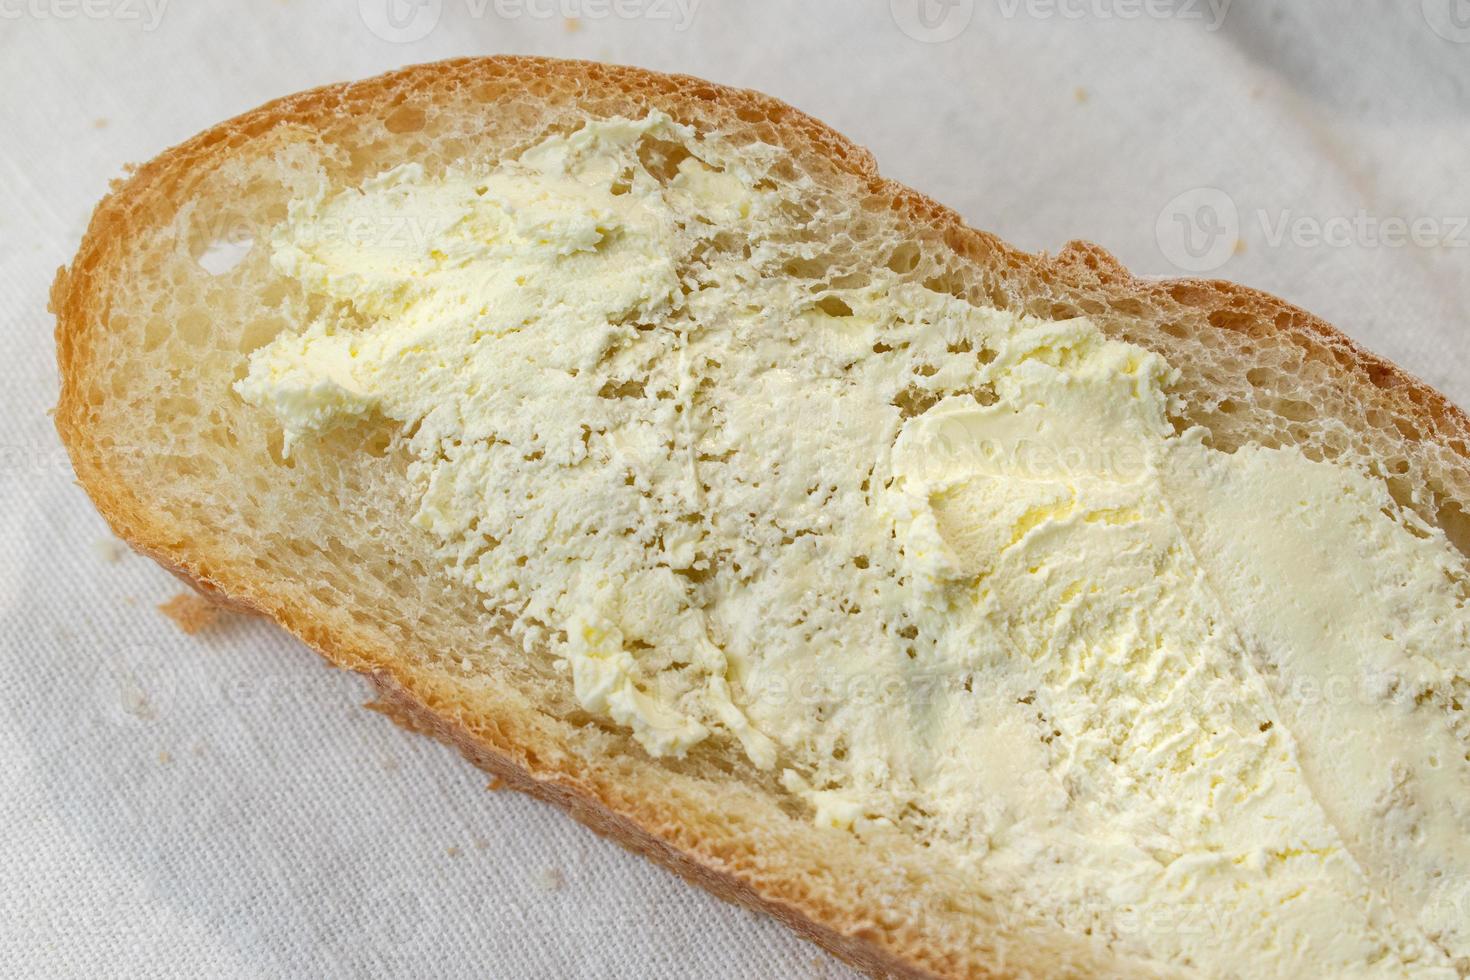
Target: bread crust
(1082,274)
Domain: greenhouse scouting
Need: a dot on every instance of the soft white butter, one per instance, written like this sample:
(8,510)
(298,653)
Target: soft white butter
(950,569)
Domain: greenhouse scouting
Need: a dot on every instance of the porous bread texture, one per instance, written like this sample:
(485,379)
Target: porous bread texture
(150,342)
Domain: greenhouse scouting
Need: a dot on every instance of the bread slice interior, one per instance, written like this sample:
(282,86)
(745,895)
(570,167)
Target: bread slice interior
(616,425)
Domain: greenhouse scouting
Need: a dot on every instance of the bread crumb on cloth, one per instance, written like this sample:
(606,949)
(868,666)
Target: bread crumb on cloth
(191,613)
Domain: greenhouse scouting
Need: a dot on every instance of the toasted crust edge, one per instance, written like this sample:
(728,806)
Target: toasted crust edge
(1080,268)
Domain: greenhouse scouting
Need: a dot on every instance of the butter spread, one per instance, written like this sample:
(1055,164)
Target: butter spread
(943,568)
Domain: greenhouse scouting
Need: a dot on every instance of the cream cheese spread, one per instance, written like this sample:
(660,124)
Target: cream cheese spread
(945,569)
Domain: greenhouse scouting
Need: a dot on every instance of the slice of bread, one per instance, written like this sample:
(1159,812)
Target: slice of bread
(320,535)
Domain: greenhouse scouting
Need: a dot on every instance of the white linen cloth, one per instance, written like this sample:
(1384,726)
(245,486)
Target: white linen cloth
(218,805)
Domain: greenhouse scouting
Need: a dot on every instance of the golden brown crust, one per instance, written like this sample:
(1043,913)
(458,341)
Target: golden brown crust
(1081,277)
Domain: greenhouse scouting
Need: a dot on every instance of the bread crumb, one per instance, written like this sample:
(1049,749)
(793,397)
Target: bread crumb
(1240,246)
(165,758)
(1080,94)
(551,879)
(100,122)
(452,851)
(110,550)
(481,843)
(190,612)
(495,785)
(571,25)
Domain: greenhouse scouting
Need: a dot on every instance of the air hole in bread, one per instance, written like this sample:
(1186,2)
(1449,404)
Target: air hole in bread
(904,259)
(222,255)
(661,158)
(803,268)
(947,282)
(985,394)
(275,441)
(1232,320)
(405,119)
(256,334)
(1189,294)
(1455,522)
(833,306)
(1296,411)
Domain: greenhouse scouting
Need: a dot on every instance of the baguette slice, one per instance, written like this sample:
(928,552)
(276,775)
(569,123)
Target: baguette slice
(150,343)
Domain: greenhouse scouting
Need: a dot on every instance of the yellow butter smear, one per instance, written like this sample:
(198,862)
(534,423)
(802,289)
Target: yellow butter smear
(946,569)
